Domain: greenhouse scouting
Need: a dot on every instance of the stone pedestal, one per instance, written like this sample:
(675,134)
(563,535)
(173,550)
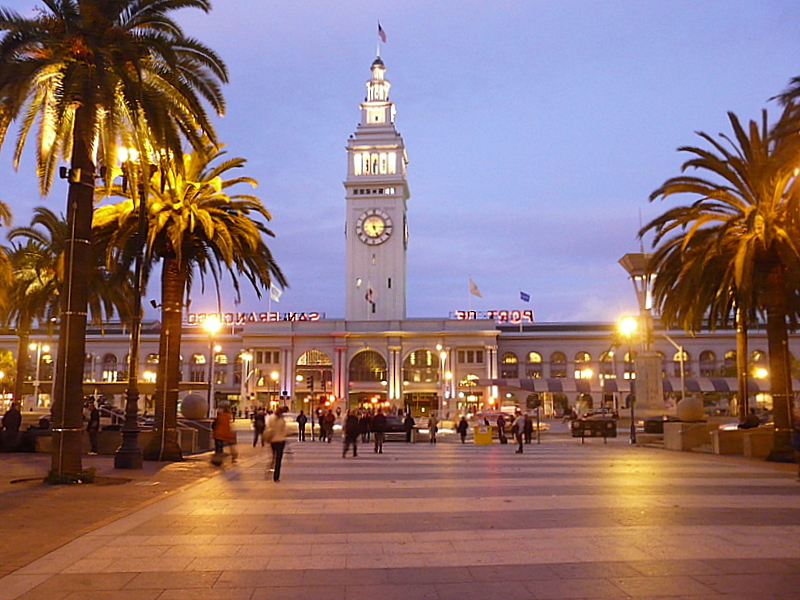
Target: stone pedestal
(759,442)
(685,436)
(727,441)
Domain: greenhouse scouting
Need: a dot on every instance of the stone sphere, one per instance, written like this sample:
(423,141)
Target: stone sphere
(194,406)
(690,410)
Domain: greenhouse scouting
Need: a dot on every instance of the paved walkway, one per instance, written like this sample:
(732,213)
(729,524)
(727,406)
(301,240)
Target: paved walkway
(419,522)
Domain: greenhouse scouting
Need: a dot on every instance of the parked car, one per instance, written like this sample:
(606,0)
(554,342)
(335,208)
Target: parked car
(656,424)
(601,413)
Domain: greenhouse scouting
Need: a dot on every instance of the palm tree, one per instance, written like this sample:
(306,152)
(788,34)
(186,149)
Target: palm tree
(732,252)
(36,255)
(195,226)
(92,73)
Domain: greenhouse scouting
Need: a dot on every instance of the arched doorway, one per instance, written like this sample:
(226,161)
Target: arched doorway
(367,380)
(313,381)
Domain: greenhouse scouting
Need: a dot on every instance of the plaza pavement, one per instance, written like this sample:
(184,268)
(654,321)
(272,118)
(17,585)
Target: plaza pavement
(450,521)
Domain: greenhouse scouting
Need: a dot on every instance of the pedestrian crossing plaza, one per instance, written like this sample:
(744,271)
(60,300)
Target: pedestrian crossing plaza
(449,521)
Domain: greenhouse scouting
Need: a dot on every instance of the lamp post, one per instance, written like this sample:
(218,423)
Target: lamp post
(627,327)
(273,388)
(247,359)
(682,355)
(39,347)
(129,454)
(442,357)
(212,325)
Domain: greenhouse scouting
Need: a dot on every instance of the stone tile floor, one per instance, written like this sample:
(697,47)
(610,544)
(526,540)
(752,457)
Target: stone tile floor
(446,521)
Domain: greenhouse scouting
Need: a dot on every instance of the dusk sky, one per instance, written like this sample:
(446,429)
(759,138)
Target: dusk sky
(536,131)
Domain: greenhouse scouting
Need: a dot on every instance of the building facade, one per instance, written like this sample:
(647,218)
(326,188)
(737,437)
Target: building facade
(376,355)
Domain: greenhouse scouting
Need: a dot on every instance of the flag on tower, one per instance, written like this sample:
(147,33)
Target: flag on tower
(275,292)
(381,33)
(524,297)
(473,289)
(370,295)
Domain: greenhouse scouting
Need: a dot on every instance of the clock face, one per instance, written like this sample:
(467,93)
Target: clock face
(374,227)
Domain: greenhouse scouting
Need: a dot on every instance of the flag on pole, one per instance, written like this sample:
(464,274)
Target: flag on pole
(524,297)
(381,33)
(473,289)
(370,295)
(275,292)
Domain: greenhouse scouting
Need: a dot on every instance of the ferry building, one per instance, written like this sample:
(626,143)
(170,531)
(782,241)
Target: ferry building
(465,362)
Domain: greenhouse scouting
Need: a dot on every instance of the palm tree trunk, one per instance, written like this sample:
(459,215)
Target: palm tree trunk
(780,373)
(164,444)
(68,382)
(741,364)
(23,333)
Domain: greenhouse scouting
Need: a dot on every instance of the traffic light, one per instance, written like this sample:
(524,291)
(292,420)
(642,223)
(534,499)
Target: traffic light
(310,382)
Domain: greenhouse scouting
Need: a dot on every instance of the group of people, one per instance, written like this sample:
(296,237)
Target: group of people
(366,425)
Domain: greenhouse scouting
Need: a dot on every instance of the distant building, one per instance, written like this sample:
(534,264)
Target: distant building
(466,362)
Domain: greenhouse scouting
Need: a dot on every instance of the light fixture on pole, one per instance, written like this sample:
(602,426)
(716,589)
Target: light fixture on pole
(627,327)
(273,389)
(247,359)
(129,454)
(212,325)
(39,347)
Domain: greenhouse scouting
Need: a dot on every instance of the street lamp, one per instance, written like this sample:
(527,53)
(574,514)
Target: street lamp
(129,454)
(682,355)
(627,327)
(212,325)
(247,359)
(39,347)
(273,389)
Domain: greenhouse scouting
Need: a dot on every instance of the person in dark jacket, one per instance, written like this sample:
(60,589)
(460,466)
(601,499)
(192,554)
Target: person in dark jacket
(365,422)
(379,431)
(527,428)
(501,429)
(408,425)
(93,427)
(12,421)
(462,428)
(259,425)
(301,426)
(351,431)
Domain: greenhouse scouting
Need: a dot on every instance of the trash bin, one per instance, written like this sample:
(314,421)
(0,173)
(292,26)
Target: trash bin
(482,435)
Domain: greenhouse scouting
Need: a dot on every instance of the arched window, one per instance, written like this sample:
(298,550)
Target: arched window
(367,365)
(558,365)
(676,364)
(583,368)
(708,363)
(607,369)
(110,370)
(197,368)
(533,367)
(421,366)
(509,367)
(729,359)
(317,365)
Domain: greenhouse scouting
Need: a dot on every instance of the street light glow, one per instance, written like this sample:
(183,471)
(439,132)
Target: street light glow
(627,326)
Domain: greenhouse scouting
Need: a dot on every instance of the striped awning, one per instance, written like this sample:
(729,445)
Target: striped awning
(696,385)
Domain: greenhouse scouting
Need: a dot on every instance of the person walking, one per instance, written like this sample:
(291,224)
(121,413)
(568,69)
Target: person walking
(259,425)
(301,426)
(330,420)
(528,428)
(224,435)
(408,425)
(93,428)
(365,423)
(501,429)
(379,430)
(12,421)
(352,429)
(462,428)
(321,423)
(276,434)
(518,428)
(433,427)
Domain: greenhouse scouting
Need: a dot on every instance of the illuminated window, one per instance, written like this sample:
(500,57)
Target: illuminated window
(421,366)
(509,367)
(533,367)
(392,164)
(357,165)
(558,365)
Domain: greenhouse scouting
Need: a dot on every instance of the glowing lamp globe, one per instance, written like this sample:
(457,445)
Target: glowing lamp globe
(194,406)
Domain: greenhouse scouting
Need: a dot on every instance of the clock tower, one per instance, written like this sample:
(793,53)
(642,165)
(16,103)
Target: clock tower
(376,230)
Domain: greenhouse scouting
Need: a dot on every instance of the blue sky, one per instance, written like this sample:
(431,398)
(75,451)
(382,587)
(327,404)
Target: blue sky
(535,130)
